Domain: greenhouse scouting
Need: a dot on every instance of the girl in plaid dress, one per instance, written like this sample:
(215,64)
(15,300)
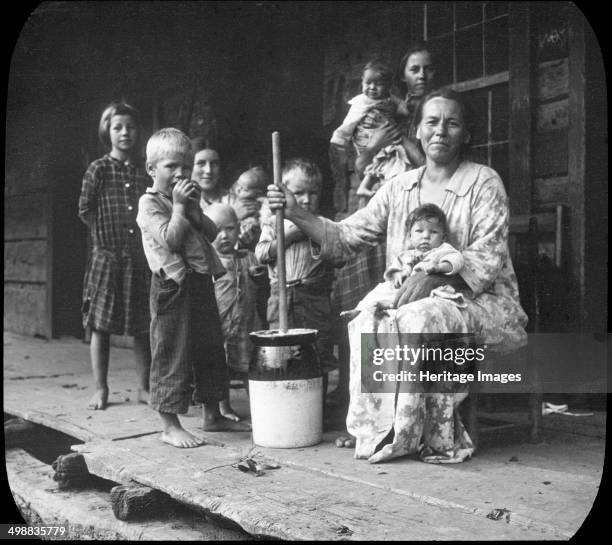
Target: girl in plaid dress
(116,284)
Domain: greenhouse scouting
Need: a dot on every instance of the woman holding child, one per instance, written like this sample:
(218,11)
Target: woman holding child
(391,149)
(481,299)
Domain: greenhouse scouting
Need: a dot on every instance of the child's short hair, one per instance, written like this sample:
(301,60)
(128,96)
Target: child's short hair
(426,212)
(167,141)
(380,66)
(114,108)
(308,168)
(217,209)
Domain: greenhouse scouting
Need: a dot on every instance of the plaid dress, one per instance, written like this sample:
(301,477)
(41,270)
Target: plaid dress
(117,279)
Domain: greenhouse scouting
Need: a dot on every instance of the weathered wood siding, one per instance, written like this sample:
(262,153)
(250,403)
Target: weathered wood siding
(27,232)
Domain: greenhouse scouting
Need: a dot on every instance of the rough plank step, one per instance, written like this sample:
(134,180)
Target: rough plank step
(287,503)
(87,514)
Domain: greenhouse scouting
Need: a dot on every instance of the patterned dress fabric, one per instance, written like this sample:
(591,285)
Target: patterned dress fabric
(476,206)
(117,279)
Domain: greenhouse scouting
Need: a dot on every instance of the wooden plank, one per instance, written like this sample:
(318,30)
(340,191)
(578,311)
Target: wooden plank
(553,79)
(519,91)
(552,115)
(519,223)
(552,190)
(25,309)
(576,157)
(87,514)
(479,83)
(59,403)
(25,261)
(25,216)
(19,183)
(551,153)
(288,503)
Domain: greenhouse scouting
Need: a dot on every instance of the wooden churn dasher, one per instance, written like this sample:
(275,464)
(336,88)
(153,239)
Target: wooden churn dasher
(285,378)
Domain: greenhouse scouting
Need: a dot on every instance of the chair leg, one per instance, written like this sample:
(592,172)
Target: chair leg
(472,417)
(535,416)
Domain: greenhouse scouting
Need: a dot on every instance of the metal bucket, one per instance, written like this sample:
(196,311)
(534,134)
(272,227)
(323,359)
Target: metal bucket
(286,389)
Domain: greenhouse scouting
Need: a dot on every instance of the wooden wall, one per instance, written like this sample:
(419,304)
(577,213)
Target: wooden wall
(27,238)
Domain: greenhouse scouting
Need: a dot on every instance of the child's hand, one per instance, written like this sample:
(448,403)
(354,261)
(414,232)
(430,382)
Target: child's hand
(245,208)
(426,267)
(397,279)
(185,191)
(249,234)
(281,198)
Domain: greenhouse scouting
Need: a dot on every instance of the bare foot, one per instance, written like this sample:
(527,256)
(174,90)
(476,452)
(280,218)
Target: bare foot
(181,438)
(222,423)
(226,410)
(99,400)
(345,441)
(142,396)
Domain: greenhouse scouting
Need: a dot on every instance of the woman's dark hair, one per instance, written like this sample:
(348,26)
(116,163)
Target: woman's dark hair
(426,212)
(448,94)
(383,68)
(113,109)
(417,47)
(200,142)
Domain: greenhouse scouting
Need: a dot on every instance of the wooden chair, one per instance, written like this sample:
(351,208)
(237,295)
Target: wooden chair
(529,234)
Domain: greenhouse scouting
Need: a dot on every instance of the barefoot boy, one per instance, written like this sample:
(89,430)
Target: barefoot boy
(309,279)
(186,341)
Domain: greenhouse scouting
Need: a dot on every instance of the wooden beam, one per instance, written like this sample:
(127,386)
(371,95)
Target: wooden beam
(71,471)
(130,502)
(520,93)
(576,154)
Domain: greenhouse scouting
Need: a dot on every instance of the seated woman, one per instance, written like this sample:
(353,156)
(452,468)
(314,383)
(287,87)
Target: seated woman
(476,206)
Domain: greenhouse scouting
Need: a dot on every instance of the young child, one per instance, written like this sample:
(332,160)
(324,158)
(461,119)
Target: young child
(371,109)
(116,284)
(246,197)
(374,108)
(236,297)
(309,280)
(186,339)
(428,251)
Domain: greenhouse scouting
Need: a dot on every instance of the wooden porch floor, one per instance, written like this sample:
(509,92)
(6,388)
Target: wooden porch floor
(319,492)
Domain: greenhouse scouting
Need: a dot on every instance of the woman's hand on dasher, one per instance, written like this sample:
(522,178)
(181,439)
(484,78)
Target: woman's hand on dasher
(418,286)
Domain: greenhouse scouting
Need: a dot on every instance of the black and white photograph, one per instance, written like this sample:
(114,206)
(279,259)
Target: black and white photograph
(305,271)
